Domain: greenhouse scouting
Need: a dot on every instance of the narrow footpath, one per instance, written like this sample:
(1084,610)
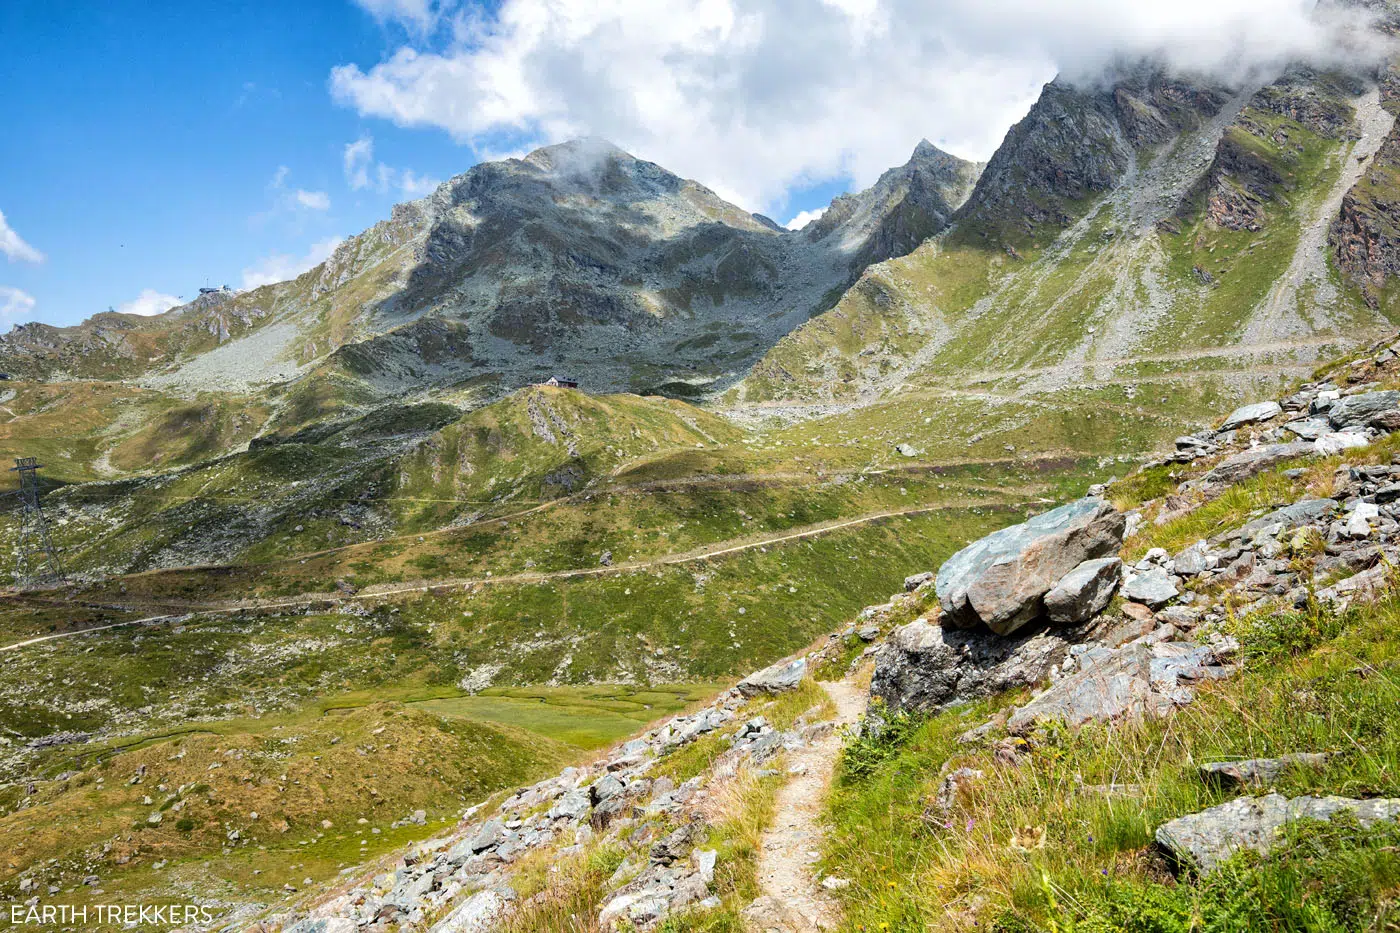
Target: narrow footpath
(793,901)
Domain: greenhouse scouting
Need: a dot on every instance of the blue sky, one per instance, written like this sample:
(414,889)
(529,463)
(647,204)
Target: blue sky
(151,148)
(144,139)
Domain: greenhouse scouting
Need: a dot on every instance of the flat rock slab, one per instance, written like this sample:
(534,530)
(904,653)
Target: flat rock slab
(1309,429)
(1329,444)
(1252,462)
(1139,679)
(1259,771)
(1203,840)
(1358,410)
(1306,512)
(776,679)
(1249,414)
(1001,579)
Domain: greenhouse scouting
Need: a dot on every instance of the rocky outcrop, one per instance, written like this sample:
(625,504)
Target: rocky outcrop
(1078,141)
(1001,580)
(1201,841)
(906,206)
(925,667)
(1365,237)
(1143,678)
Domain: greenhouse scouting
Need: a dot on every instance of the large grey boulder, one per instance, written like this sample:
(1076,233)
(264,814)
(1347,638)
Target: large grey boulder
(1139,679)
(1153,588)
(775,679)
(1083,593)
(1249,414)
(1252,462)
(1363,409)
(926,667)
(1203,840)
(1001,579)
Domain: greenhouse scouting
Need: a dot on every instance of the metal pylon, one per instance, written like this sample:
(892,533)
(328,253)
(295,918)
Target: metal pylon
(38,559)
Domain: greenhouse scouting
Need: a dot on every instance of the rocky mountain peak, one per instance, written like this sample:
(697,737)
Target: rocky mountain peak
(904,207)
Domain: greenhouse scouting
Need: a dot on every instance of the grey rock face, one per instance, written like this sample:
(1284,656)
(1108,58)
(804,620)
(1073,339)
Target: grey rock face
(1136,680)
(1249,463)
(1204,840)
(926,667)
(1001,579)
(1154,588)
(1249,414)
(775,679)
(1083,593)
(1261,771)
(1359,410)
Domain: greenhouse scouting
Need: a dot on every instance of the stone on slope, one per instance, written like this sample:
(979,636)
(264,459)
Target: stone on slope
(1001,579)
(1305,512)
(1309,429)
(1261,771)
(1329,444)
(926,667)
(1359,410)
(1249,414)
(1252,462)
(1153,588)
(1203,840)
(1083,593)
(323,925)
(1139,679)
(785,675)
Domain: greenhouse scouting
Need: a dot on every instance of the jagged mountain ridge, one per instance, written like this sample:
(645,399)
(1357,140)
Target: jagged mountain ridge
(1158,227)
(578,257)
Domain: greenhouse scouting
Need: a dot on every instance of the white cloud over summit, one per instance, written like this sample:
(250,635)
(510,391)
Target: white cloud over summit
(756,97)
(149,302)
(281,267)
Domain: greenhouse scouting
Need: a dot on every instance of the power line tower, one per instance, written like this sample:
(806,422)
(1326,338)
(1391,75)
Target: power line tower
(38,559)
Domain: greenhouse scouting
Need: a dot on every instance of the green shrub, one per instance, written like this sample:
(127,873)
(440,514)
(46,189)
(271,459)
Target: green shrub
(1268,637)
(884,736)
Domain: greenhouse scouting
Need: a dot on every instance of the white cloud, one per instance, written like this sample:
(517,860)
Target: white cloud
(14,247)
(359,155)
(754,97)
(415,186)
(149,302)
(314,200)
(280,267)
(15,303)
(417,15)
(803,218)
(359,163)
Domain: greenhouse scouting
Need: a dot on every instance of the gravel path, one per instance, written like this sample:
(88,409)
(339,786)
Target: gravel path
(796,902)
